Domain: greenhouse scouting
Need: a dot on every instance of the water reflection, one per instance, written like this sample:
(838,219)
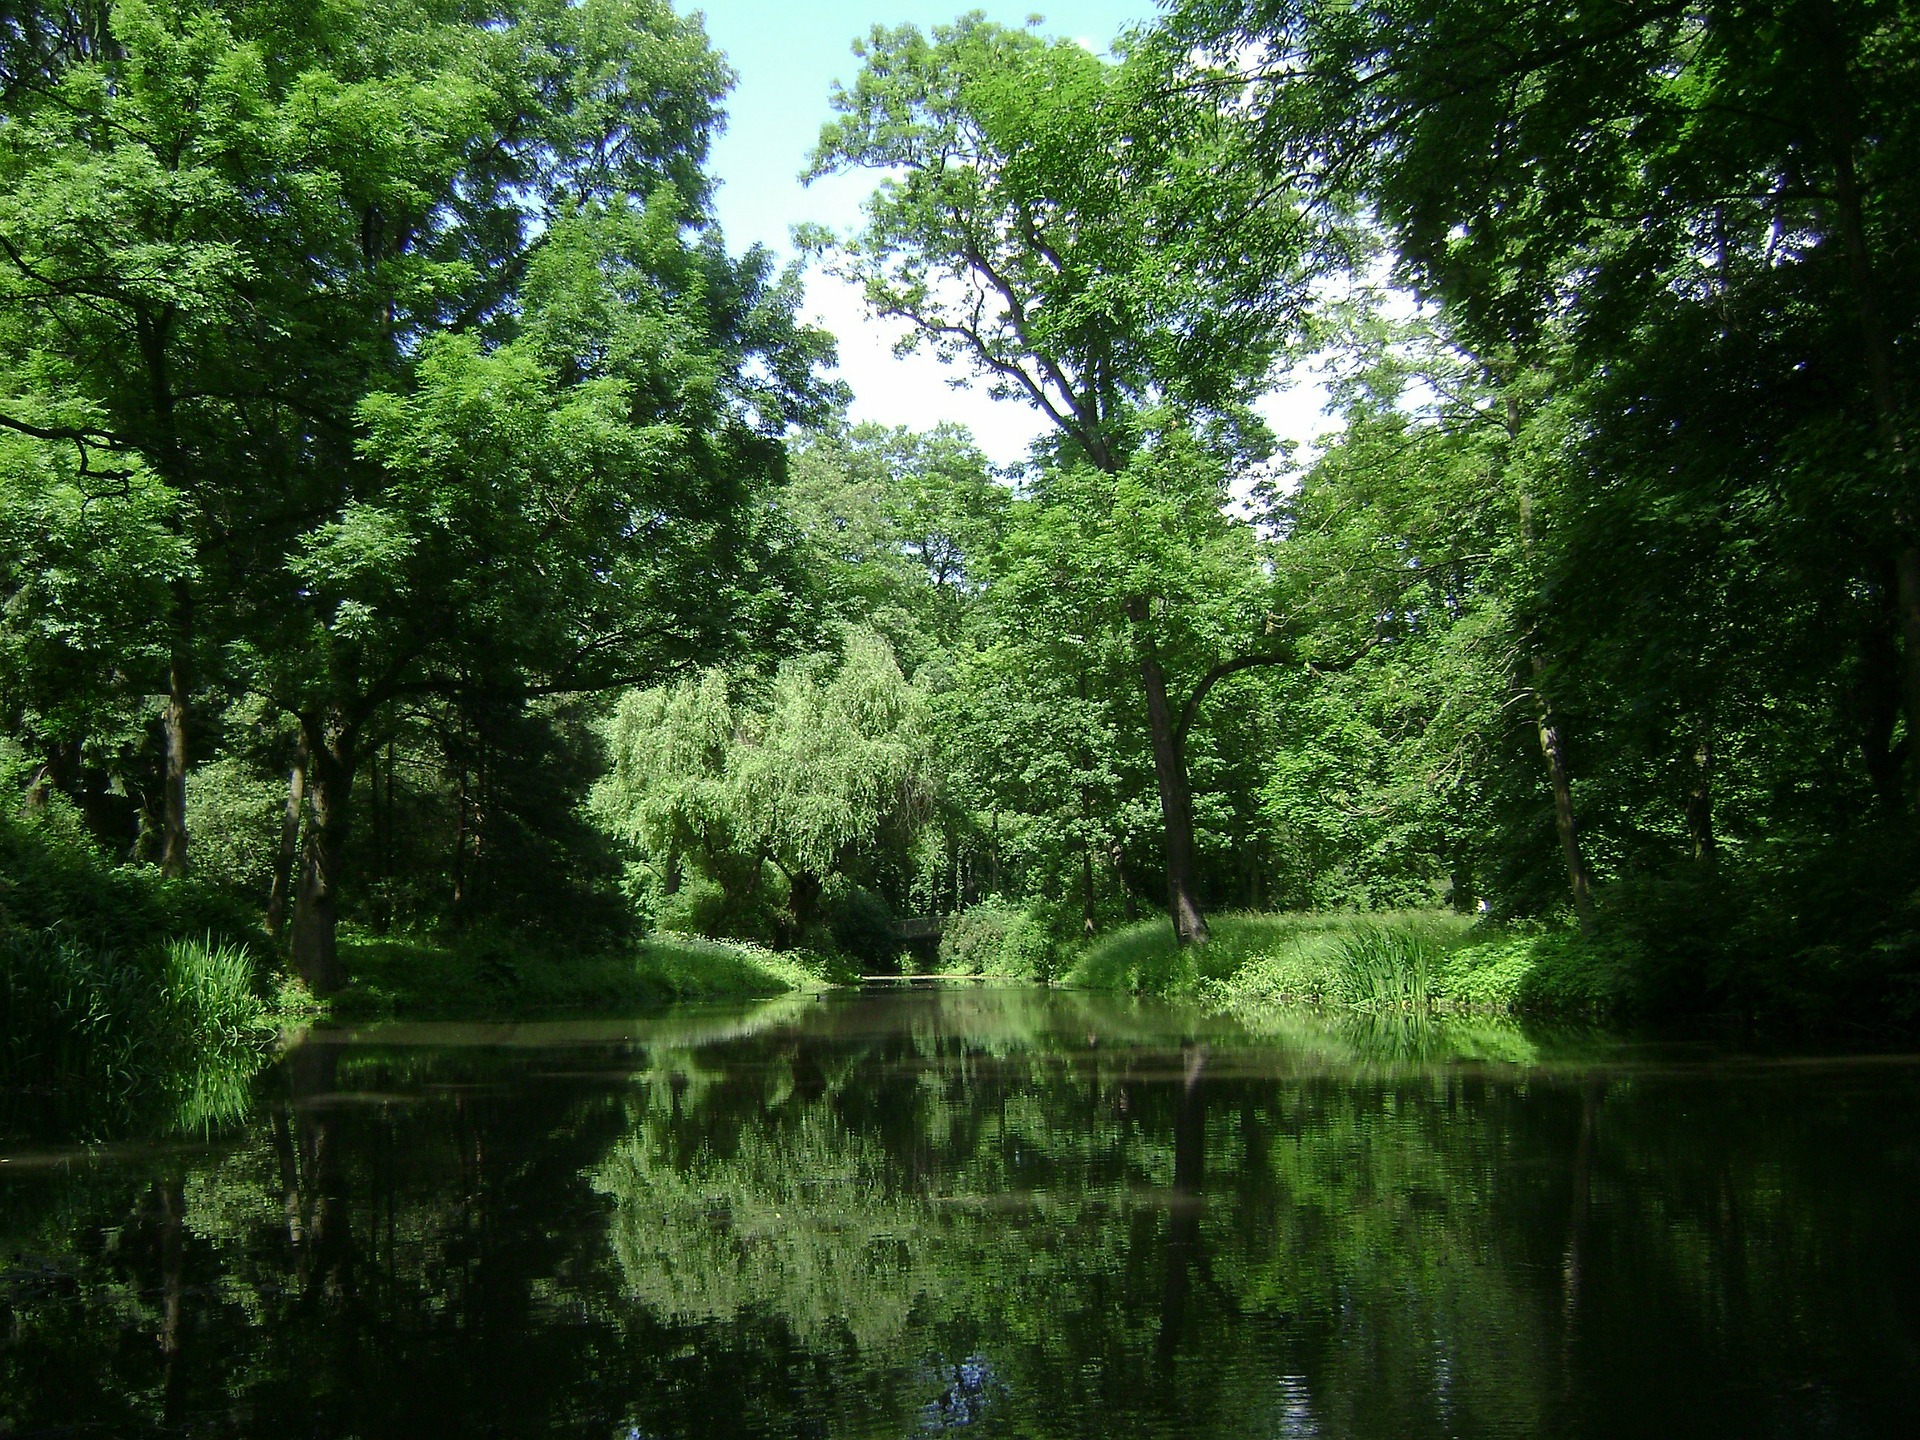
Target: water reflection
(997,1212)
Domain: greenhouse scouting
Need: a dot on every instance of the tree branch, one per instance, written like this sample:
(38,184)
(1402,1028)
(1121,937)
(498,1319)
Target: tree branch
(1254,662)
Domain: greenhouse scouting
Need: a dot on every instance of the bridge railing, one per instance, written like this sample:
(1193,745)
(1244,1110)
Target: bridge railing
(919,927)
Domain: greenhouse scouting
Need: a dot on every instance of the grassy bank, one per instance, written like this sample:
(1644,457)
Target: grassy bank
(128,1000)
(124,997)
(495,975)
(1429,958)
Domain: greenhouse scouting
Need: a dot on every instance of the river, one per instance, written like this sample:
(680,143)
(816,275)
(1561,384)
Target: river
(1001,1212)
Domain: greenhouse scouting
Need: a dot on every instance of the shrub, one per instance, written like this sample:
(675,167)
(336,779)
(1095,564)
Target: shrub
(997,938)
(106,1010)
(234,818)
(701,907)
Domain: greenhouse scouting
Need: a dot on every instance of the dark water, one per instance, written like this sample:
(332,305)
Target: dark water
(998,1212)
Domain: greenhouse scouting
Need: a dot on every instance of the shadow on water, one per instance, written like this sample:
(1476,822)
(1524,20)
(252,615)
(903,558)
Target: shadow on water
(1003,1211)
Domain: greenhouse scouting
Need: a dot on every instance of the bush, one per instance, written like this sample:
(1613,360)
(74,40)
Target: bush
(234,818)
(997,938)
(1806,932)
(701,907)
(107,1009)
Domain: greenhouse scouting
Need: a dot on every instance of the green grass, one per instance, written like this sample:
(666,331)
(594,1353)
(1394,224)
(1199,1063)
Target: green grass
(494,975)
(1294,956)
(94,1038)
(1417,959)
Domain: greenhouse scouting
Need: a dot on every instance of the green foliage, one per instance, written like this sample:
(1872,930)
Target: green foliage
(898,529)
(210,989)
(1062,224)
(1382,967)
(826,776)
(110,1014)
(376,379)
(703,907)
(55,881)
(495,973)
(997,938)
(373,298)
(1362,960)
(233,815)
(861,924)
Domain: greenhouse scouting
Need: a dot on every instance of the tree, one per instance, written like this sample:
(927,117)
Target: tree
(899,527)
(1619,176)
(1091,239)
(382,298)
(835,761)
(142,221)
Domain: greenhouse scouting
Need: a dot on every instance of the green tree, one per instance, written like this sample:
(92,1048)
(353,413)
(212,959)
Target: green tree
(1739,176)
(383,299)
(826,775)
(899,527)
(1092,241)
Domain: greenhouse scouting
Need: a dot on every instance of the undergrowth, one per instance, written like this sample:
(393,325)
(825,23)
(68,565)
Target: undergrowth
(1398,960)
(493,973)
(124,997)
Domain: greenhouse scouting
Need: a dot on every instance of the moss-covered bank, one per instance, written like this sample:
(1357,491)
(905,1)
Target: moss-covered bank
(1685,972)
(1430,958)
(498,975)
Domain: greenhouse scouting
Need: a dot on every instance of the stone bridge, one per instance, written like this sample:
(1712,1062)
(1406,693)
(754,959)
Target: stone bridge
(919,929)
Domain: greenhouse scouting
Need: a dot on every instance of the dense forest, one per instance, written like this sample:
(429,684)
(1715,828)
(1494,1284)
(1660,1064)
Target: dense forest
(417,522)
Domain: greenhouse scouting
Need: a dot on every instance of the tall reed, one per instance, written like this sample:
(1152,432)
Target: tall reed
(1387,967)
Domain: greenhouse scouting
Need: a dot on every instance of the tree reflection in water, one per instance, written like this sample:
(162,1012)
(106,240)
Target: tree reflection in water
(1003,1212)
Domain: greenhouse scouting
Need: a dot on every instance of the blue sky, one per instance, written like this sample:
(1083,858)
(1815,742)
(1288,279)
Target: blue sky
(786,57)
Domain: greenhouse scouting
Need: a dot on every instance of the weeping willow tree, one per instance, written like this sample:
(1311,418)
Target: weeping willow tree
(827,770)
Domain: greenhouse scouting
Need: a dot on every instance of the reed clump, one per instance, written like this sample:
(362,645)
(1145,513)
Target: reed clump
(109,1014)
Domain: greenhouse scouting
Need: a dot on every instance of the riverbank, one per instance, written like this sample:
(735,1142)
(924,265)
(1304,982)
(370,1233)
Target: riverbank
(1429,958)
(127,999)
(1683,972)
(496,976)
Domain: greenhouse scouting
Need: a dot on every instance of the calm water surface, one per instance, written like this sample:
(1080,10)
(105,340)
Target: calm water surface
(1005,1213)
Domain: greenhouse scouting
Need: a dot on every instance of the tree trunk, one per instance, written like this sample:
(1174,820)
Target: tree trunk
(1877,349)
(316,958)
(59,771)
(1118,856)
(173,844)
(383,898)
(460,827)
(1907,597)
(804,889)
(1551,745)
(1877,706)
(1563,819)
(1089,925)
(1700,800)
(289,839)
(1176,801)
(1460,890)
